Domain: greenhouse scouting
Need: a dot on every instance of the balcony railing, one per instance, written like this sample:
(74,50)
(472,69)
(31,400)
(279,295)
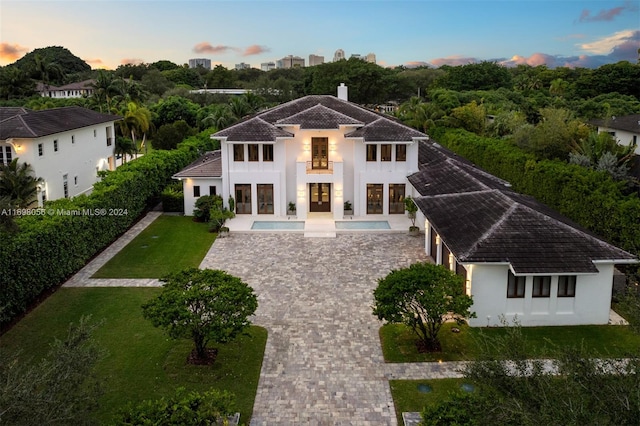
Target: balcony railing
(320,167)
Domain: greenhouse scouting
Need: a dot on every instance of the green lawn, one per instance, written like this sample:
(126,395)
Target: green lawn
(398,341)
(142,362)
(407,397)
(169,244)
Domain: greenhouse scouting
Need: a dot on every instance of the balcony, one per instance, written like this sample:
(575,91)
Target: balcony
(320,167)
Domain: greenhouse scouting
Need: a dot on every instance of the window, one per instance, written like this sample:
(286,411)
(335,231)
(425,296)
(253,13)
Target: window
(253,152)
(65,186)
(73,139)
(516,286)
(396,198)
(567,286)
(372,154)
(5,155)
(55,145)
(541,286)
(320,153)
(238,153)
(265,199)
(95,133)
(212,190)
(75,180)
(267,152)
(40,150)
(401,153)
(385,152)
(109,135)
(374,198)
(196,190)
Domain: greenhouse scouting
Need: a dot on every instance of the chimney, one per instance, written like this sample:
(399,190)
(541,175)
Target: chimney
(343,92)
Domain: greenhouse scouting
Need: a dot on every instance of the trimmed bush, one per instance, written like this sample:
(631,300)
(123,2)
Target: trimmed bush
(172,198)
(50,248)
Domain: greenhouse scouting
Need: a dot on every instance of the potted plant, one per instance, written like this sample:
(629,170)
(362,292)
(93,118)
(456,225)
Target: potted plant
(411,209)
(348,208)
(223,231)
(292,208)
(232,204)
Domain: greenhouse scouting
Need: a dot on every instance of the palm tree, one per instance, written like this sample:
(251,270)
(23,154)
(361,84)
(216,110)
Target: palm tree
(136,122)
(103,90)
(46,70)
(124,147)
(19,184)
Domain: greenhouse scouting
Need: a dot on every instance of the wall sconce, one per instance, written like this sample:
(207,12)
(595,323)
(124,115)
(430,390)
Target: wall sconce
(338,193)
(467,286)
(301,194)
(306,146)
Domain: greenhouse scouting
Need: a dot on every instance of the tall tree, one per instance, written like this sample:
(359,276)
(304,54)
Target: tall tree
(136,122)
(18,182)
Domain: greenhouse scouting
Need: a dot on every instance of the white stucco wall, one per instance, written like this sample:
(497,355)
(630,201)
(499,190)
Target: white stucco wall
(81,153)
(204,184)
(623,137)
(590,305)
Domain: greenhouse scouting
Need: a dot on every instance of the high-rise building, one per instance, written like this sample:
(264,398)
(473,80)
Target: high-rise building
(243,66)
(290,62)
(338,56)
(315,60)
(200,62)
(267,66)
(356,56)
(371,57)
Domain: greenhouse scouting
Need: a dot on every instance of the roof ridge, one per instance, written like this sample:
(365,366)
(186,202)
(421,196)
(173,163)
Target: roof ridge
(493,227)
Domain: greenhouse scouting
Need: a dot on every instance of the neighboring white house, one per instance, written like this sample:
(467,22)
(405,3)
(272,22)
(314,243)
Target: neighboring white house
(625,129)
(65,146)
(72,90)
(519,258)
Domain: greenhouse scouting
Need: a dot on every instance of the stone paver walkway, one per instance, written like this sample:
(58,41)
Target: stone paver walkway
(323,363)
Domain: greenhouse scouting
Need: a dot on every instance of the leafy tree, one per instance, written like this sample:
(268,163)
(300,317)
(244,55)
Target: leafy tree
(203,305)
(61,389)
(481,76)
(163,65)
(14,83)
(220,78)
(471,117)
(420,297)
(185,76)
(169,136)
(18,182)
(156,83)
(212,407)
(47,70)
(175,108)
(67,61)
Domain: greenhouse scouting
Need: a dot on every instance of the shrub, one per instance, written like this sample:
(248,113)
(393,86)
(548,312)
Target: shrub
(172,198)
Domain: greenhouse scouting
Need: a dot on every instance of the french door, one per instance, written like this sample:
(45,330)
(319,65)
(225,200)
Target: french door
(320,199)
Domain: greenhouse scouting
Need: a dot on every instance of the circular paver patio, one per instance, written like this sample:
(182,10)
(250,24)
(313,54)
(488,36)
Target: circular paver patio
(323,363)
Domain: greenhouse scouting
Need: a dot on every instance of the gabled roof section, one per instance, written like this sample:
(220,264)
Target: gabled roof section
(8,112)
(482,220)
(321,112)
(385,130)
(629,123)
(252,130)
(208,165)
(319,117)
(35,124)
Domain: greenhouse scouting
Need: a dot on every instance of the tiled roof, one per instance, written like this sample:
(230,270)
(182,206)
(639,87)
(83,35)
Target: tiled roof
(629,123)
(319,117)
(482,220)
(252,130)
(35,124)
(209,165)
(8,112)
(321,112)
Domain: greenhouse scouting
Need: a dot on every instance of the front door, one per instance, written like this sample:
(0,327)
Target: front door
(320,197)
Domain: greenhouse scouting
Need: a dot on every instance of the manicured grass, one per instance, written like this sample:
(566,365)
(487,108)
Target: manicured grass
(407,397)
(142,362)
(398,341)
(169,244)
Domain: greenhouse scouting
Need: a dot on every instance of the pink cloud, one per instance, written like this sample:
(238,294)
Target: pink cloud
(606,14)
(454,61)
(11,52)
(255,50)
(206,47)
(416,64)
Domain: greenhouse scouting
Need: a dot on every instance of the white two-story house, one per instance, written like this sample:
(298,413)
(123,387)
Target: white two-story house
(316,152)
(65,146)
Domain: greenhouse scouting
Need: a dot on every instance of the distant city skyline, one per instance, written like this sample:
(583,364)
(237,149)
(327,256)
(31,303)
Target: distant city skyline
(107,34)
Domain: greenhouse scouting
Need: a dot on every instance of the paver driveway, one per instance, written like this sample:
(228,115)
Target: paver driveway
(323,363)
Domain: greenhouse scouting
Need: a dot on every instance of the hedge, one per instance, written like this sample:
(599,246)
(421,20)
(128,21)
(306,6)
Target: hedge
(591,199)
(50,248)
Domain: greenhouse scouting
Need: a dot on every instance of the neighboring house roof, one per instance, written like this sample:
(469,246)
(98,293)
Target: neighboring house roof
(481,220)
(320,112)
(79,85)
(207,166)
(35,124)
(629,123)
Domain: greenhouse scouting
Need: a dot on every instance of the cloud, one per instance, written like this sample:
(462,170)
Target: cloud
(606,14)
(416,64)
(255,50)
(206,47)
(131,61)
(607,44)
(454,61)
(534,60)
(12,52)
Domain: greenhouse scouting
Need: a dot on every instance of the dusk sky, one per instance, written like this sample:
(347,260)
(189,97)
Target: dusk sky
(106,34)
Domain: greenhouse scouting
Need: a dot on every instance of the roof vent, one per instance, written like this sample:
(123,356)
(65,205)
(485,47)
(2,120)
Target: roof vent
(343,92)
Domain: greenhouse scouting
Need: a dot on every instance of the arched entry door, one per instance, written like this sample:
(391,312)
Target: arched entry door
(320,197)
